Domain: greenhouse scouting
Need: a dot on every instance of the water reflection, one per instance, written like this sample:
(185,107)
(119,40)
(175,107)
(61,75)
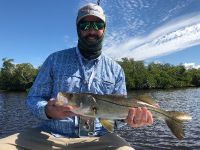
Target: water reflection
(14,117)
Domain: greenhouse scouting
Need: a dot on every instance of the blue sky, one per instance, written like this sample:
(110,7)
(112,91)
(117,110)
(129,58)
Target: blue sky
(165,31)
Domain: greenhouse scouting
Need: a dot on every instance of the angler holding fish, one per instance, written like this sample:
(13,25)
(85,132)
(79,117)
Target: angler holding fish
(74,120)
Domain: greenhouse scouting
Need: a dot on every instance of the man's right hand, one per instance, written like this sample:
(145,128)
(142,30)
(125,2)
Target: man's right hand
(58,112)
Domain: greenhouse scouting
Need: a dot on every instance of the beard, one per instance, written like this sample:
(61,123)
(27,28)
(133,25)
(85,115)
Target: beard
(91,39)
(90,45)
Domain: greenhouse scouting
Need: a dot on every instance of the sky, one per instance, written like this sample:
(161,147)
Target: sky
(161,31)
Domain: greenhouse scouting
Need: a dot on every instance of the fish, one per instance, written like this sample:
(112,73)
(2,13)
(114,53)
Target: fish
(109,108)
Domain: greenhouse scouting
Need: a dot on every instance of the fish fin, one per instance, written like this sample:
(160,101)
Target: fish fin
(147,99)
(108,124)
(176,128)
(180,116)
(175,123)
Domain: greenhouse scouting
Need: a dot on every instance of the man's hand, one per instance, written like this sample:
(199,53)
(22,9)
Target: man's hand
(58,112)
(138,117)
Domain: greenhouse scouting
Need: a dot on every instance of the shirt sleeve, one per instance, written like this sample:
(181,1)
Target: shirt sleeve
(120,88)
(120,85)
(41,90)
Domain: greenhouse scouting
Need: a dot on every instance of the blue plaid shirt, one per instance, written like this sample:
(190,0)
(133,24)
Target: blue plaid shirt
(63,71)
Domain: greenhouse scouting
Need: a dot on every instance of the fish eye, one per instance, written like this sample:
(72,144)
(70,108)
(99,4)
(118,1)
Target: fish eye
(70,95)
(94,109)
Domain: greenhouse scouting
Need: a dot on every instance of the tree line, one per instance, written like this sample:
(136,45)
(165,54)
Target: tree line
(158,76)
(20,77)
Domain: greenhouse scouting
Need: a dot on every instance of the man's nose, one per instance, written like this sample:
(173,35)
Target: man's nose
(92,30)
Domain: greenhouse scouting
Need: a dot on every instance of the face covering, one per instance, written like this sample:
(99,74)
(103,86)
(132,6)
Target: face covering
(89,50)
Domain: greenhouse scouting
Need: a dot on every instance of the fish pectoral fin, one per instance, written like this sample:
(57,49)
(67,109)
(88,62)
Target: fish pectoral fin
(108,124)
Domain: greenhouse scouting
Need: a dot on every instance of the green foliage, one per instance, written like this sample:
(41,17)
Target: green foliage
(7,73)
(162,76)
(195,75)
(16,77)
(24,76)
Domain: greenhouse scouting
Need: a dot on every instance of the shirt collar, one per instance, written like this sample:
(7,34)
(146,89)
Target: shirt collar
(86,60)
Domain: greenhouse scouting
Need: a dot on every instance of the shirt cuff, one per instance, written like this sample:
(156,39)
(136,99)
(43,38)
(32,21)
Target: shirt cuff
(41,110)
(36,106)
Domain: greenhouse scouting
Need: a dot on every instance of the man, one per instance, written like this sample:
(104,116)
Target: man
(80,69)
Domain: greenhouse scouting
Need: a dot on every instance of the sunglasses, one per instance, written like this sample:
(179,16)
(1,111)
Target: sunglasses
(86,25)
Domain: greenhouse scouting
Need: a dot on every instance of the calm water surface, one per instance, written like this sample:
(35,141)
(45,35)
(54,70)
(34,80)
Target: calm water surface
(14,117)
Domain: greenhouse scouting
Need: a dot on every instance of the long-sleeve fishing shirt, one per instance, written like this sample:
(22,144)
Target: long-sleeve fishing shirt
(68,71)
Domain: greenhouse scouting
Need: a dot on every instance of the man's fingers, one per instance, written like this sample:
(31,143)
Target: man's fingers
(52,101)
(68,114)
(144,115)
(68,108)
(149,118)
(138,115)
(58,112)
(130,116)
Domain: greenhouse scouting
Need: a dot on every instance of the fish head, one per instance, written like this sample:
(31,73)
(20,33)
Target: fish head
(63,98)
(83,104)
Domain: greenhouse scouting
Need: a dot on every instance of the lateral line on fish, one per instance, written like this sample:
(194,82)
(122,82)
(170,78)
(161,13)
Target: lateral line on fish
(150,108)
(112,102)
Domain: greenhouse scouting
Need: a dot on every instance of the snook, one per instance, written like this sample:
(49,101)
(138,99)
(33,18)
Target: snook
(114,107)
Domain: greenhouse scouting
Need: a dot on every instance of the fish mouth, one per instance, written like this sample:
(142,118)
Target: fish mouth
(84,112)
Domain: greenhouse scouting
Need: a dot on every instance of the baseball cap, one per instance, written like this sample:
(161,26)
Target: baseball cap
(90,9)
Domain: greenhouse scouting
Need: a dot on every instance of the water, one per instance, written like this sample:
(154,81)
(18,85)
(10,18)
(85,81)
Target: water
(14,117)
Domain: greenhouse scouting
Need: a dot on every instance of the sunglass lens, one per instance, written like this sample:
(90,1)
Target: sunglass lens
(84,25)
(95,25)
(100,25)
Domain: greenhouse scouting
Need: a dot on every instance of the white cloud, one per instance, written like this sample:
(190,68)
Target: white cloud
(191,66)
(174,36)
(128,19)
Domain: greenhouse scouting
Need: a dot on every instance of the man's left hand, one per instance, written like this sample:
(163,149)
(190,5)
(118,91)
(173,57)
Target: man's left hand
(138,117)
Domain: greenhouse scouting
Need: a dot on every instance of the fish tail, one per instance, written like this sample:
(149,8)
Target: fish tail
(175,122)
